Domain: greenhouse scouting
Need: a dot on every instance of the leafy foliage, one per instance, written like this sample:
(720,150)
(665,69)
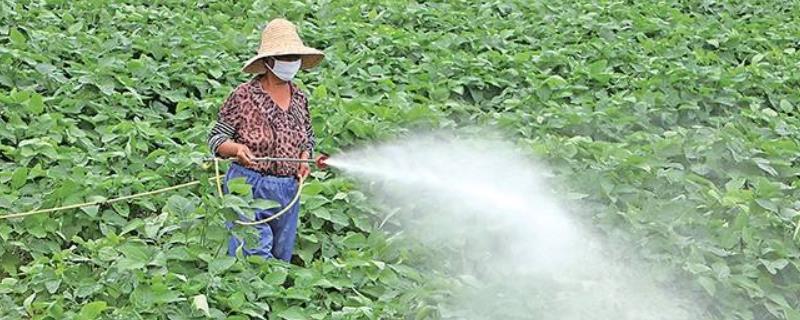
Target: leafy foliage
(676,120)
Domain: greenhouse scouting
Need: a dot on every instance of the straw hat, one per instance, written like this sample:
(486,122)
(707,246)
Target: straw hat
(280,37)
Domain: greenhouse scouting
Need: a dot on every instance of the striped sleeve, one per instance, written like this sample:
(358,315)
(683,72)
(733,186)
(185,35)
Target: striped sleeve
(228,123)
(220,133)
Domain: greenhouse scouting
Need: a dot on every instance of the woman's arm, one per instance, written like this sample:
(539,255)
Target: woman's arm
(221,133)
(221,138)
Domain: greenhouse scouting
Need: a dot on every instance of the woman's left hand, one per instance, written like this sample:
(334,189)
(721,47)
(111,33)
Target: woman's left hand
(304,169)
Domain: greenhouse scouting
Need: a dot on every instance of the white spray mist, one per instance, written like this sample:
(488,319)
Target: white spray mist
(519,254)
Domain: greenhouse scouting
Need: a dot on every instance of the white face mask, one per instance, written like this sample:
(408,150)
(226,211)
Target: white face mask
(284,70)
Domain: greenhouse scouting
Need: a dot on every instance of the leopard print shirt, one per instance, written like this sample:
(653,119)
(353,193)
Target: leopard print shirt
(249,116)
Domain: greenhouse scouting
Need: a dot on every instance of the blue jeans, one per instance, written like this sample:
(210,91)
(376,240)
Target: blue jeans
(276,238)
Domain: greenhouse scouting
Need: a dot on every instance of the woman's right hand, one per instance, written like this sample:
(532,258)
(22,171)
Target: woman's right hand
(241,152)
(243,155)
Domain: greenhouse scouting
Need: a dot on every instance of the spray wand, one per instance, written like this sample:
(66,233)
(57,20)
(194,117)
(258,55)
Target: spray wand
(319,162)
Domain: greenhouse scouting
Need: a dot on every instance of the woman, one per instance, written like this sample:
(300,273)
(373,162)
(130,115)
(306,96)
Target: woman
(268,116)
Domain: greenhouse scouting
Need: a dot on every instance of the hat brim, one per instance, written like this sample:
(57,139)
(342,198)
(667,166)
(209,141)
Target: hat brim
(309,58)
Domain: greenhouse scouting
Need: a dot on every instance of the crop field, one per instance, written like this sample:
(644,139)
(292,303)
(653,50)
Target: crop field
(676,122)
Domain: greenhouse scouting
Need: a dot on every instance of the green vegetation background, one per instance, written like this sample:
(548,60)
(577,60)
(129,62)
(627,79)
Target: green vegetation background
(677,120)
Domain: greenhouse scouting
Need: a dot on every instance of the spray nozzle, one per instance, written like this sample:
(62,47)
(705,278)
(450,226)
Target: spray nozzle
(321,161)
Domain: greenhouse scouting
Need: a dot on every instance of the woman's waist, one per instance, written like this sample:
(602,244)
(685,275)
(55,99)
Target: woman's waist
(284,173)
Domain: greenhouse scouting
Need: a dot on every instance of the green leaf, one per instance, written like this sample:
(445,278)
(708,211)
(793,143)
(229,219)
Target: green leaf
(91,210)
(767,204)
(597,70)
(292,313)
(132,225)
(375,70)
(199,302)
(136,256)
(52,285)
(321,213)
(220,265)
(17,39)
(708,285)
(791,314)
(179,205)
(773,266)
(276,277)
(35,104)
(555,82)
(340,218)
(697,268)
(764,164)
(122,208)
(92,310)
(18,177)
(354,240)
(263,204)
(312,188)
(75,27)
(786,106)
(236,300)
(239,186)
(154,224)
(28,301)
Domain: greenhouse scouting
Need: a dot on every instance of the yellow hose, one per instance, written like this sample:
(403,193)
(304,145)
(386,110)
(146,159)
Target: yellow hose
(279,213)
(272,217)
(217,178)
